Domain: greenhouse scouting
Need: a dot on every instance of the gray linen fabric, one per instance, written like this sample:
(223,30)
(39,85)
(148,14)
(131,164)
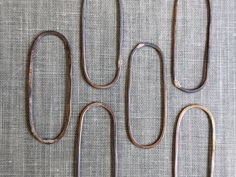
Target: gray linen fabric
(144,20)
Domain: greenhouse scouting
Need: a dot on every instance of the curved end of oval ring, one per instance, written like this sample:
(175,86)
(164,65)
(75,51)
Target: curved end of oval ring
(191,90)
(105,86)
(47,141)
(50,141)
(146,146)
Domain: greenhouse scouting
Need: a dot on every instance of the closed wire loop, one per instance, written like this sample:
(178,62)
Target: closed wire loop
(206,52)
(68,89)
(163,95)
(118,52)
(213,137)
(80,129)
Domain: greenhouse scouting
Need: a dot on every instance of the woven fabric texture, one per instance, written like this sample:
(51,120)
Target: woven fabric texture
(144,21)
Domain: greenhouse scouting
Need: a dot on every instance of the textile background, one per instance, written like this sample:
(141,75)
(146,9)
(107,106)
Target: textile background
(144,21)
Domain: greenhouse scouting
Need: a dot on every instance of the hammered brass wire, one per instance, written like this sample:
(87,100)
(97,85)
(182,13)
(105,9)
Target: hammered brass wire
(30,87)
(213,137)
(80,129)
(203,82)
(119,43)
(163,95)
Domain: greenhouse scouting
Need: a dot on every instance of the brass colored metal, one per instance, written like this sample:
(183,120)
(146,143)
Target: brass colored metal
(206,53)
(119,46)
(80,129)
(163,92)
(30,87)
(213,137)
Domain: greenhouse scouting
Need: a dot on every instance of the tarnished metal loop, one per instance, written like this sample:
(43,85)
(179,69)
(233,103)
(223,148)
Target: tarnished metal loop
(206,53)
(163,94)
(213,134)
(119,45)
(80,128)
(30,87)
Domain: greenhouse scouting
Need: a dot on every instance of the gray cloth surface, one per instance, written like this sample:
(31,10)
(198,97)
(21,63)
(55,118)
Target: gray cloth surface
(144,20)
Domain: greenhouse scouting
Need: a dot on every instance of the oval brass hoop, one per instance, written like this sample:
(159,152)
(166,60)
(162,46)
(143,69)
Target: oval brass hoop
(163,94)
(30,87)
(118,53)
(80,128)
(206,53)
(213,134)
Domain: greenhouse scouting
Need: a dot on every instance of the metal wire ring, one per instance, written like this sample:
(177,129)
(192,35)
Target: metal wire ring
(206,53)
(80,129)
(30,87)
(163,102)
(118,53)
(180,118)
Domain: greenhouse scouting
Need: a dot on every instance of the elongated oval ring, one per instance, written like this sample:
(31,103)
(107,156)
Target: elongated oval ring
(30,87)
(119,47)
(206,52)
(80,129)
(163,95)
(213,137)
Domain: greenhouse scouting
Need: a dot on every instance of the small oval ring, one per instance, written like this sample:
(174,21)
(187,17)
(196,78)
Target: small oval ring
(30,86)
(118,53)
(213,149)
(80,128)
(206,53)
(163,94)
